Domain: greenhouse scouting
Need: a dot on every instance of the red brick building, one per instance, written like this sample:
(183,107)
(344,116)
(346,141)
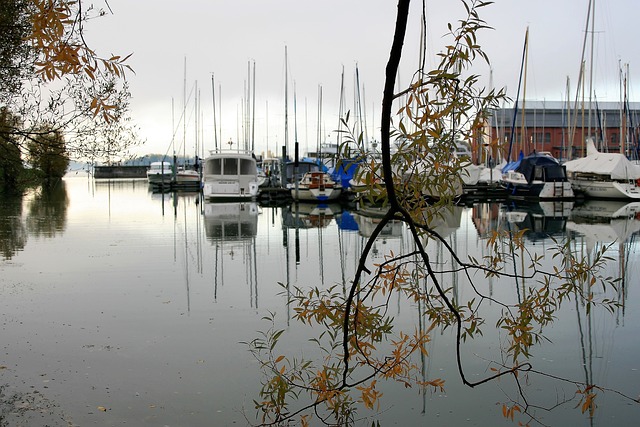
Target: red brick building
(554,127)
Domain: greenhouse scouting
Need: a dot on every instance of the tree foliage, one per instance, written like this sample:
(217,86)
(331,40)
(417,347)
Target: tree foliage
(14,51)
(48,153)
(52,79)
(358,339)
(10,160)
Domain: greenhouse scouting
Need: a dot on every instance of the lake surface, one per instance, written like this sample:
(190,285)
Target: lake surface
(119,306)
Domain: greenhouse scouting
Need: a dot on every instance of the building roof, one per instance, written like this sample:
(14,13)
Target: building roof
(556,114)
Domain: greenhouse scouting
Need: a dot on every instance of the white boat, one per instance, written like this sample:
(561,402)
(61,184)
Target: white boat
(315,187)
(230,174)
(604,175)
(188,177)
(159,173)
(538,176)
(262,177)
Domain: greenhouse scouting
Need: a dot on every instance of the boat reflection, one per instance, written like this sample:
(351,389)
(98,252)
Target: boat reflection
(606,221)
(368,217)
(231,222)
(309,215)
(232,227)
(444,220)
(539,220)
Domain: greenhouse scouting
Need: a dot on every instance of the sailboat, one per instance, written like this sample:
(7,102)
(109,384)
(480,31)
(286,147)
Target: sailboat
(539,175)
(188,177)
(604,175)
(536,176)
(316,187)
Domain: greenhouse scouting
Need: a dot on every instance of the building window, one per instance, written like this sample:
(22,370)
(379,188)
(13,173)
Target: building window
(614,138)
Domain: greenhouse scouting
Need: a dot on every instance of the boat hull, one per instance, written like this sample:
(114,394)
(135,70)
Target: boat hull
(607,189)
(230,190)
(315,195)
(539,190)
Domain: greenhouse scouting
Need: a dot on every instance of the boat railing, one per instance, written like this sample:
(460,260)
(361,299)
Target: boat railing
(230,151)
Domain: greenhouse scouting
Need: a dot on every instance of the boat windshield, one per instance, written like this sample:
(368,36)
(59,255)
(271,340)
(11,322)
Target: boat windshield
(555,173)
(230,166)
(247,167)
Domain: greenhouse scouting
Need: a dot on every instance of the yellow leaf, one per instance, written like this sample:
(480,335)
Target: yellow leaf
(102,408)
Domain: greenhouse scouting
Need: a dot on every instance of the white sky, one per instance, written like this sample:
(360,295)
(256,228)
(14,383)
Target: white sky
(322,37)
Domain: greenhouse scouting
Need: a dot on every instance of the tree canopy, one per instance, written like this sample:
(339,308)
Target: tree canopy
(51,79)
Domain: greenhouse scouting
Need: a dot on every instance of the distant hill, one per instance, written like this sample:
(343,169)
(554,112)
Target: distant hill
(138,161)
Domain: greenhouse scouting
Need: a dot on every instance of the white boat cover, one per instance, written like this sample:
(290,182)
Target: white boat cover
(615,165)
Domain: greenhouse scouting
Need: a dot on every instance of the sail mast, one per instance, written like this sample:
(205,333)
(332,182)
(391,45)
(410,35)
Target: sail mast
(286,97)
(253,113)
(523,136)
(215,126)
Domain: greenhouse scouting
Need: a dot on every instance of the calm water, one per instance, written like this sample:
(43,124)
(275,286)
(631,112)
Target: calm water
(114,297)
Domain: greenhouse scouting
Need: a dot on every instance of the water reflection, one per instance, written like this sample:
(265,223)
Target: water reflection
(538,220)
(611,221)
(310,215)
(232,229)
(368,217)
(13,231)
(46,216)
(143,251)
(47,211)
(227,223)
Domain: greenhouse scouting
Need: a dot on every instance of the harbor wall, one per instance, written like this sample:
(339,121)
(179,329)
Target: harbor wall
(112,172)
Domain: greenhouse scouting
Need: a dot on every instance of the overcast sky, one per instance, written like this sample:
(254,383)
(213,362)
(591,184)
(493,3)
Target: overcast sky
(323,37)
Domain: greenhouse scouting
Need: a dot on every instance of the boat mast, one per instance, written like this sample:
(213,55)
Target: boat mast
(593,14)
(523,128)
(580,84)
(286,105)
(253,113)
(184,109)
(215,126)
(623,134)
(515,110)
(340,110)
(246,116)
(319,142)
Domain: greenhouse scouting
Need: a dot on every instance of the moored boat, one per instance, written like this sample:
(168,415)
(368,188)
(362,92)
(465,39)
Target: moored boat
(538,176)
(604,175)
(159,173)
(230,174)
(315,187)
